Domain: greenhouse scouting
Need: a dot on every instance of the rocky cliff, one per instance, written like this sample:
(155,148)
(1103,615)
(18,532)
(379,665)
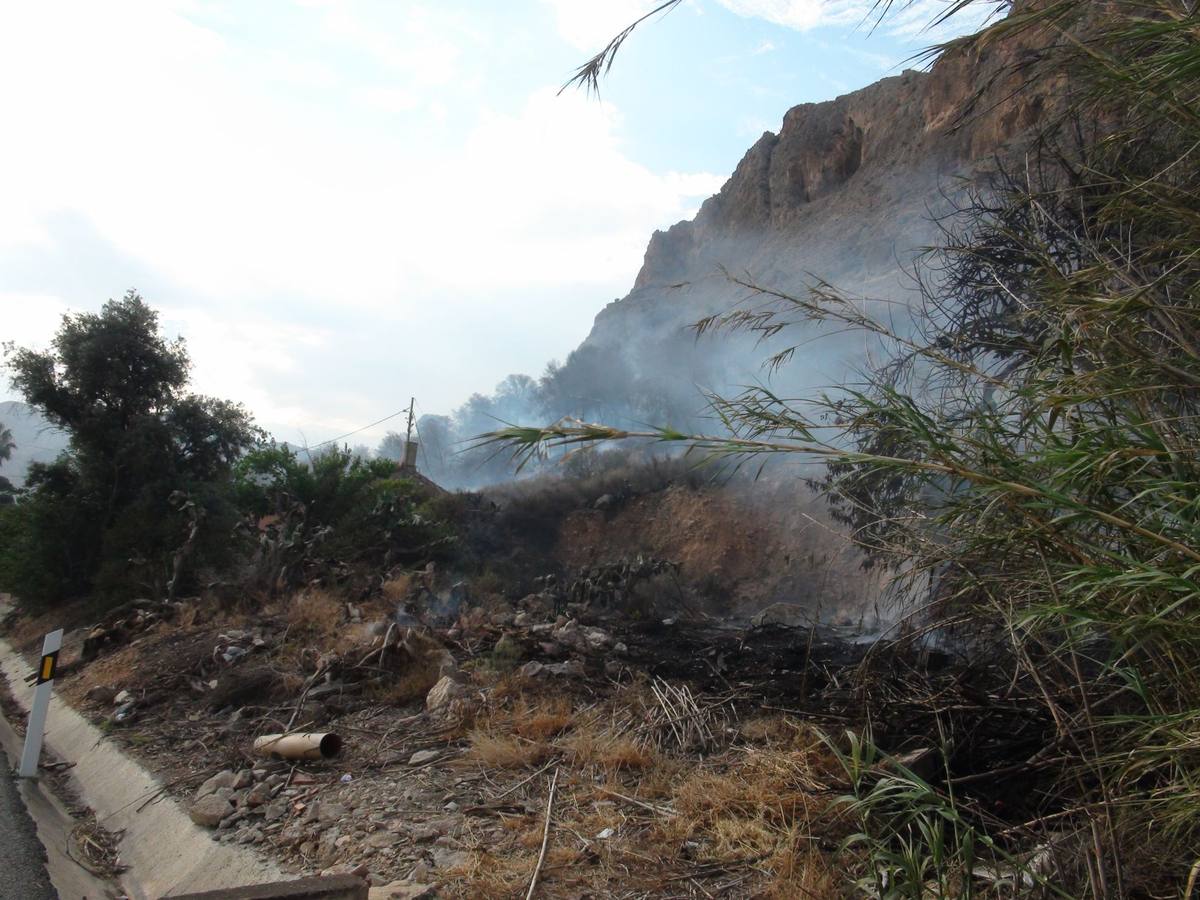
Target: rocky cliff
(847,191)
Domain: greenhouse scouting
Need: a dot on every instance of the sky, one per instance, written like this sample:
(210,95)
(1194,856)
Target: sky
(343,203)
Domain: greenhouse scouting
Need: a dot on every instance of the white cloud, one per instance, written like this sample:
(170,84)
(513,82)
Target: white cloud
(919,19)
(426,48)
(174,147)
(563,204)
(801,15)
(913,19)
(590,24)
(231,354)
(392,100)
(30,318)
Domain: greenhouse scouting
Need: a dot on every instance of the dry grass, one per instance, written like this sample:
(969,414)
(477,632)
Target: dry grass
(542,720)
(411,686)
(396,589)
(411,668)
(316,612)
(600,747)
(505,751)
(755,804)
(672,822)
(800,871)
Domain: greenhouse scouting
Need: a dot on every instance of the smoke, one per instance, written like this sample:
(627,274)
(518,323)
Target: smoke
(644,364)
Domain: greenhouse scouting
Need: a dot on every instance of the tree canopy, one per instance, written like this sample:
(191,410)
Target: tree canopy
(142,448)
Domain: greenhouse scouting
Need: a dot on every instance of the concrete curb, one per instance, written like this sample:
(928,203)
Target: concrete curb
(166,852)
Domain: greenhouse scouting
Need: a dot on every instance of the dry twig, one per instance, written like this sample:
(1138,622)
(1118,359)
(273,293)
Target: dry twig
(537,870)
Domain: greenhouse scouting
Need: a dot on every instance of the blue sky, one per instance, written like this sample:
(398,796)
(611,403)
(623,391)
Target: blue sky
(339,203)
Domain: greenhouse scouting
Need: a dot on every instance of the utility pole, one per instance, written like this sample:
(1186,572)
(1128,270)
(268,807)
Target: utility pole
(410,446)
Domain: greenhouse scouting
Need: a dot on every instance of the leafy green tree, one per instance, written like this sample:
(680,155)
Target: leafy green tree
(7,444)
(313,518)
(147,460)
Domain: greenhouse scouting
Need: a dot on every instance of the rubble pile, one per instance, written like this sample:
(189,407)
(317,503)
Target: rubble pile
(124,623)
(445,709)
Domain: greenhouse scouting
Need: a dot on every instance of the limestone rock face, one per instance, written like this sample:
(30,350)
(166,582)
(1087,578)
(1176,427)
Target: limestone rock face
(845,192)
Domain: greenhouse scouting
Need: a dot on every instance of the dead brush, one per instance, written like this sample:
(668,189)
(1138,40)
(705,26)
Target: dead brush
(515,734)
(798,870)
(610,745)
(406,664)
(315,612)
(542,720)
(682,720)
(397,588)
(756,804)
(496,750)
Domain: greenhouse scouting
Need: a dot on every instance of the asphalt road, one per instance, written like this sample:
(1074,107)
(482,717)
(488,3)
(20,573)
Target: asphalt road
(22,859)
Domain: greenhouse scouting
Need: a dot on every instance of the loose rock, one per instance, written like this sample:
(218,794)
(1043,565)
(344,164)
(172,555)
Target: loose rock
(223,779)
(208,811)
(442,693)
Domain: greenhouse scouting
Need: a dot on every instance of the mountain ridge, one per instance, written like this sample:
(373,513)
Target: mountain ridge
(848,191)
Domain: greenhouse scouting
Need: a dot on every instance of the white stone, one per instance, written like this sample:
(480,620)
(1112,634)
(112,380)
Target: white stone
(442,693)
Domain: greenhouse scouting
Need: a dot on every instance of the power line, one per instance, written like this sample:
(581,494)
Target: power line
(342,437)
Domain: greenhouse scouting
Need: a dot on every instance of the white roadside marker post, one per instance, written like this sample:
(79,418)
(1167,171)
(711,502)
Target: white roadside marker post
(36,726)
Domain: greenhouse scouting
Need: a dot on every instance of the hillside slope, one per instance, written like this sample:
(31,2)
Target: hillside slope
(847,191)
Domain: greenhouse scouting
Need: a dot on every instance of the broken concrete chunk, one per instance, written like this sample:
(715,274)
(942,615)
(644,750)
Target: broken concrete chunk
(427,834)
(572,668)
(597,638)
(223,779)
(209,810)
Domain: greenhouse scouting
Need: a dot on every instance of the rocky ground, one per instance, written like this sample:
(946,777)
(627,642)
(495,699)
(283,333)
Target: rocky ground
(664,754)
